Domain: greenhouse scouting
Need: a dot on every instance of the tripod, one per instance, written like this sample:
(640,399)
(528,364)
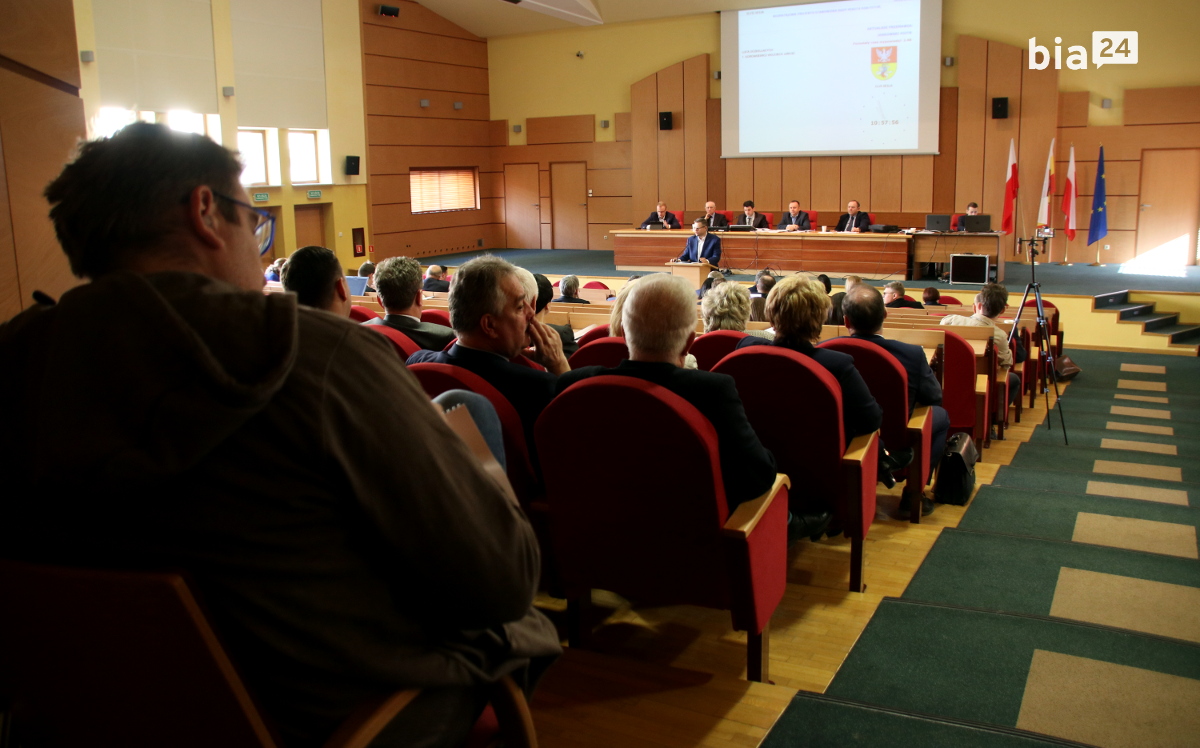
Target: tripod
(1045,352)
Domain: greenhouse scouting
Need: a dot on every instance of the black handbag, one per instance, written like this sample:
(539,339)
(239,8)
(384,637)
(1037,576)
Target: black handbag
(956,472)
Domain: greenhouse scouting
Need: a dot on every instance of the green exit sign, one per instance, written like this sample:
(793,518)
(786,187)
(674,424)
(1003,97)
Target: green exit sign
(314,194)
(261,197)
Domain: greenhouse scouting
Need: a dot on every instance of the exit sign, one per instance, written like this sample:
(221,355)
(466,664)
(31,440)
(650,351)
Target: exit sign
(261,197)
(314,194)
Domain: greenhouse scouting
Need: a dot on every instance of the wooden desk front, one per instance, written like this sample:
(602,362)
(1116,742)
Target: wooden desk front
(938,248)
(868,255)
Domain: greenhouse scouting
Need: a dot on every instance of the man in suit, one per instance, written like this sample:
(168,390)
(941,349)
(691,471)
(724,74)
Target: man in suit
(854,220)
(701,246)
(659,320)
(399,282)
(367,270)
(712,218)
(435,280)
(750,218)
(864,315)
(494,322)
(569,285)
(795,219)
(972,210)
(315,276)
(893,297)
(661,216)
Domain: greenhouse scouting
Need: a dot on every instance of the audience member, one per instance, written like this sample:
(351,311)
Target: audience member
(399,281)
(893,297)
(275,269)
(990,303)
(367,270)
(824,279)
(758,309)
(569,285)
(315,276)
(931,296)
(714,278)
(764,281)
(230,435)
(726,307)
(659,317)
(435,280)
(835,316)
(541,308)
(850,281)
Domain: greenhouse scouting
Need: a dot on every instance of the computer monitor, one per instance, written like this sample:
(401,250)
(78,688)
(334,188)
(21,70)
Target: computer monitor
(740,227)
(937,222)
(357,284)
(976,224)
(656,227)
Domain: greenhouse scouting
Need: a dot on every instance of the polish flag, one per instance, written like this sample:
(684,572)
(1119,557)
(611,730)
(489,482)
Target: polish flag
(1047,189)
(1010,188)
(1070,197)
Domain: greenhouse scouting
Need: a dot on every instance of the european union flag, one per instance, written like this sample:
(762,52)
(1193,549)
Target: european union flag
(1098,226)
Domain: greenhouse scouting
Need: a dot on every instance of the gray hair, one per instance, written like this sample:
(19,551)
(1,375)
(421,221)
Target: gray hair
(569,285)
(896,286)
(659,314)
(475,291)
(726,306)
(529,283)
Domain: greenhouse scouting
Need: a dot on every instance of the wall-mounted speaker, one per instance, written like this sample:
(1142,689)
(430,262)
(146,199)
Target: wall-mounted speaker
(665,120)
(352,166)
(1000,107)
(391,11)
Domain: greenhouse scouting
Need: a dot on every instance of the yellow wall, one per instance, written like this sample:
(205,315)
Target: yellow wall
(538,75)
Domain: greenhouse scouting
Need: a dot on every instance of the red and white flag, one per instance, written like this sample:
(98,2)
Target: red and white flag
(1010,188)
(1047,189)
(1070,197)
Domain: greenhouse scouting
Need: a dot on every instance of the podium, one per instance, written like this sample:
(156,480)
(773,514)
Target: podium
(692,272)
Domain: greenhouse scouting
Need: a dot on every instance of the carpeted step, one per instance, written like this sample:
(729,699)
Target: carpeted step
(1037,479)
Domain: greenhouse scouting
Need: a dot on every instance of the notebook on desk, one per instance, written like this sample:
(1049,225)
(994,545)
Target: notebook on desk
(976,224)
(656,227)
(937,222)
(740,227)
(357,284)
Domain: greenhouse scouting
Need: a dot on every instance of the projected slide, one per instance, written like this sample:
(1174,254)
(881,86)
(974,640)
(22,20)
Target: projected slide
(865,95)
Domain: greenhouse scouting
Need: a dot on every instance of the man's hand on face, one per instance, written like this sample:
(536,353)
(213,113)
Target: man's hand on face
(547,348)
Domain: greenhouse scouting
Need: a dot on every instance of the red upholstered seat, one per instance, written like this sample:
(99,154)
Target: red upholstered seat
(949,300)
(659,535)
(436,316)
(402,343)
(596,284)
(711,347)
(968,412)
(812,220)
(438,378)
(362,313)
(872,217)
(678,217)
(906,297)
(528,363)
(597,332)
(607,352)
(770,219)
(954,221)
(782,390)
(1056,336)
(887,380)
(728,215)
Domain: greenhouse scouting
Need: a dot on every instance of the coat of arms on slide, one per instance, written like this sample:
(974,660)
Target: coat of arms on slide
(883,62)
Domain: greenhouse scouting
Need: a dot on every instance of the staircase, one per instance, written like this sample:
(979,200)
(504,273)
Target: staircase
(1153,322)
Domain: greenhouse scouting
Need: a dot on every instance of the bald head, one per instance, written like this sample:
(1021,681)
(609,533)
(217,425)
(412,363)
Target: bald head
(863,309)
(659,317)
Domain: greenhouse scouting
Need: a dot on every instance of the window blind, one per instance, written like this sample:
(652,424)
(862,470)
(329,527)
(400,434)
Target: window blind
(436,190)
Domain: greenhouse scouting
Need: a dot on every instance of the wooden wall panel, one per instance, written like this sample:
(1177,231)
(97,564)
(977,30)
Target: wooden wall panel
(1073,108)
(610,182)
(10,287)
(827,184)
(886,182)
(1122,247)
(544,183)
(544,208)
(695,132)
(491,184)
(622,128)
(796,182)
(643,119)
(945,163)
(387,219)
(412,16)
(1120,177)
(1162,106)
(611,155)
(768,185)
(397,159)
(389,71)
(1004,79)
(615,210)
(41,34)
(739,183)
(419,131)
(600,235)
(973,108)
(438,241)
(390,188)
(916,193)
(498,132)
(580,128)
(547,236)
(406,102)
(1038,126)
(1126,143)
(419,45)
(716,164)
(670,142)
(856,181)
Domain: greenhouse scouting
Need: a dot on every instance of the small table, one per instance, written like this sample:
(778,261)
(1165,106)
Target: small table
(692,272)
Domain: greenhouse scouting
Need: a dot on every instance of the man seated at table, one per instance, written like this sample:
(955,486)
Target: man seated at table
(399,282)
(659,322)
(702,246)
(864,314)
(712,218)
(795,219)
(972,210)
(435,280)
(662,216)
(569,284)
(315,276)
(893,297)
(750,218)
(990,303)
(853,220)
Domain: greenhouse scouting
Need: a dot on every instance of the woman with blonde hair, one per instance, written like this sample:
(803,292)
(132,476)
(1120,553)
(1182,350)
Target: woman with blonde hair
(727,307)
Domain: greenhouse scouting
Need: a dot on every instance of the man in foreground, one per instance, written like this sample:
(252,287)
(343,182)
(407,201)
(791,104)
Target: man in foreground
(400,293)
(170,415)
(315,276)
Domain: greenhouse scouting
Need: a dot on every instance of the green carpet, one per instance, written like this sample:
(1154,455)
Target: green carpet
(818,721)
(973,665)
(1082,459)
(1019,574)
(1037,479)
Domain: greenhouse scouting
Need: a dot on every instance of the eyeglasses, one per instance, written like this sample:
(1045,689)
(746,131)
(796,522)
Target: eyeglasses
(264,230)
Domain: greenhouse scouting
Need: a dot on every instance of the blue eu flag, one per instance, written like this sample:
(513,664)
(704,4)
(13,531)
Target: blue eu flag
(1098,226)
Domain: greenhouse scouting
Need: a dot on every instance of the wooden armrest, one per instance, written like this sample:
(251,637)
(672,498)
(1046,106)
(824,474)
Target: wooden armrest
(857,450)
(920,415)
(743,520)
(512,712)
(981,384)
(361,727)
(1002,374)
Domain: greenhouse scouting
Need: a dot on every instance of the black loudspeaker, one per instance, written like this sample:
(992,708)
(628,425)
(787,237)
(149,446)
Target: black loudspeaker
(352,166)
(390,11)
(665,120)
(1000,107)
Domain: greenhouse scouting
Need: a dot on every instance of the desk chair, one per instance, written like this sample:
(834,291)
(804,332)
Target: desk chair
(711,347)
(596,333)
(436,316)
(362,313)
(659,534)
(963,397)
(608,352)
(403,344)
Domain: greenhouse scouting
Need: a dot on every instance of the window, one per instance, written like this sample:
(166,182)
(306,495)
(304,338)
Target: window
(110,119)
(302,150)
(440,190)
(258,148)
